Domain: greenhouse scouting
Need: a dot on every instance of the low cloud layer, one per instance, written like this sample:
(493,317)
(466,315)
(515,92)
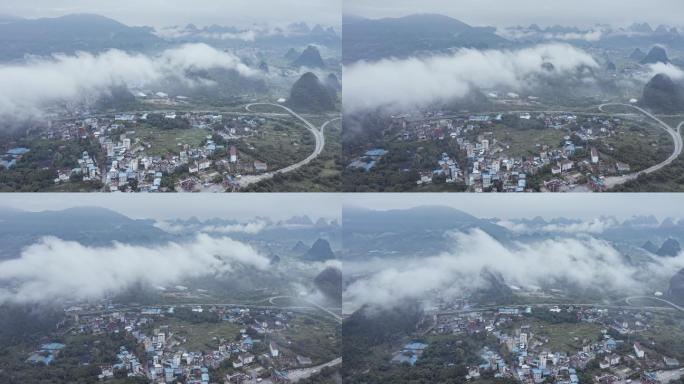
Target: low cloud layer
(420,81)
(592,226)
(29,88)
(54,269)
(252,227)
(181,32)
(585,262)
(585,36)
(673,71)
(518,34)
(249,228)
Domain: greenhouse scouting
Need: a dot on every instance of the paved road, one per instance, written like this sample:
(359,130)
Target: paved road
(337,317)
(612,181)
(673,305)
(318,135)
(533,305)
(166,306)
(299,374)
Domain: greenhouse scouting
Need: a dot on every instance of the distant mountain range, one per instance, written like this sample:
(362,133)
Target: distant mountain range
(71,33)
(294,34)
(416,231)
(94,33)
(374,39)
(366,39)
(86,225)
(423,231)
(635,35)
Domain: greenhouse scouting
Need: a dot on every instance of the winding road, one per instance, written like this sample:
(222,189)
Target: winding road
(612,181)
(337,317)
(629,306)
(298,374)
(318,148)
(673,305)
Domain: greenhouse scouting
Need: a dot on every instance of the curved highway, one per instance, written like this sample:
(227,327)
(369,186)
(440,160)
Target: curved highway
(337,317)
(318,148)
(533,305)
(673,305)
(676,137)
(298,374)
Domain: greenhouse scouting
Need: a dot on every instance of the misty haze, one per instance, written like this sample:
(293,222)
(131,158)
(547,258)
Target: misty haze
(441,293)
(170,97)
(88,293)
(341,191)
(565,97)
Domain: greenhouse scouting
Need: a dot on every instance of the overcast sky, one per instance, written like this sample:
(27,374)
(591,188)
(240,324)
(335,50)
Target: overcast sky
(547,205)
(525,12)
(160,13)
(242,207)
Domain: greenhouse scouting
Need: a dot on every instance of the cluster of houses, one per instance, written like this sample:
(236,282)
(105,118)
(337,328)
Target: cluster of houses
(410,353)
(161,356)
(46,354)
(489,164)
(12,155)
(368,160)
(129,162)
(447,168)
(613,354)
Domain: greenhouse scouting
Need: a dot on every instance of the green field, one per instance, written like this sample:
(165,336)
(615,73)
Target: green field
(667,335)
(639,144)
(563,336)
(166,142)
(312,336)
(526,142)
(323,174)
(280,142)
(202,336)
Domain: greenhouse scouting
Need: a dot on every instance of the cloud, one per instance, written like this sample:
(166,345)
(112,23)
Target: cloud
(249,228)
(244,35)
(596,225)
(588,226)
(420,81)
(523,34)
(29,88)
(586,262)
(170,227)
(54,269)
(514,226)
(585,36)
(674,72)
(592,226)
(176,32)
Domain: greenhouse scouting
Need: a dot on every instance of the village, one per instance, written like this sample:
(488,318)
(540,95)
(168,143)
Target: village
(150,152)
(559,344)
(161,350)
(513,152)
